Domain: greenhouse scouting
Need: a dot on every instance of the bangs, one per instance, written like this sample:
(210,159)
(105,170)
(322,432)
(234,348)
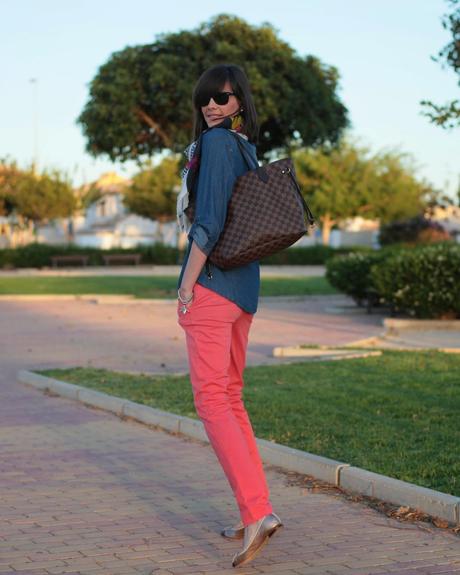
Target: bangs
(209,84)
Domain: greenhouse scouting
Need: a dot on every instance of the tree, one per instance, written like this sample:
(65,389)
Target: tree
(447,115)
(34,198)
(397,193)
(153,192)
(9,175)
(140,99)
(344,181)
(335,181)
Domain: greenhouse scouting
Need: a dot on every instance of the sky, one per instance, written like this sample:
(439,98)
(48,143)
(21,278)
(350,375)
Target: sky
(381,48)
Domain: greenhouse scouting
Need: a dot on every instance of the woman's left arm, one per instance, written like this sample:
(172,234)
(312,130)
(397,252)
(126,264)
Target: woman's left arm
(214,188)
(195,263)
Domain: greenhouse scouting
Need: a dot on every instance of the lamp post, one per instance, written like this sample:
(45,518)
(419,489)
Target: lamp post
(34,81)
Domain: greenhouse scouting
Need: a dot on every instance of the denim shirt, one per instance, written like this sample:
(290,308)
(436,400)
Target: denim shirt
(221,163)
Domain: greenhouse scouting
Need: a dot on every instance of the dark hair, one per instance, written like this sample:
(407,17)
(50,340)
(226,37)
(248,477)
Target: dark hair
(211,81)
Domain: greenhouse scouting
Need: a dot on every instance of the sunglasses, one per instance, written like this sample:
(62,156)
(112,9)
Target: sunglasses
(220,98)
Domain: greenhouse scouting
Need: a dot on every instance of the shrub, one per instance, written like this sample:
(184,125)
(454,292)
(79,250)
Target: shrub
(36,255)
(308,255)
(159,254)
(412,231)
(422,282)
(350,273)
(39,255)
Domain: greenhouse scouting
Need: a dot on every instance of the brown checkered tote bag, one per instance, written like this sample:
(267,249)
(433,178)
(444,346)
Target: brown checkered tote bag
(266,213)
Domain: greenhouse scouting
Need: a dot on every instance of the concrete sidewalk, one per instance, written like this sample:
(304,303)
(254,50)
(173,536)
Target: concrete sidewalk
(145,336)
(85,492)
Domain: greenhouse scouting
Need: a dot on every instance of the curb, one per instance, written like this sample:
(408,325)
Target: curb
(322,353)
(393,490)
(394,326)
(340,474)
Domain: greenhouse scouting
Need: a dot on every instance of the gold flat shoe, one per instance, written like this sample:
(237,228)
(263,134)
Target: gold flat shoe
(233,532)
(267,528)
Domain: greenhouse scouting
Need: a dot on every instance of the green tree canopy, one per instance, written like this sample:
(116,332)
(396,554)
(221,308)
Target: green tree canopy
(397,192)
(140,99)
(345,181)
(448,115)
(153,191)
(35,197)
(10,174)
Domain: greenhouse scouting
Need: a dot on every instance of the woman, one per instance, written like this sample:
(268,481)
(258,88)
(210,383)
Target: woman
(216,307)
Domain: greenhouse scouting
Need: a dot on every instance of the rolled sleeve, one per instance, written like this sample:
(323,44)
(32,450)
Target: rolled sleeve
(215,182)
(201,237)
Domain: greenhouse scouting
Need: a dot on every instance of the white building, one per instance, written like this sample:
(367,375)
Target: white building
(107,223)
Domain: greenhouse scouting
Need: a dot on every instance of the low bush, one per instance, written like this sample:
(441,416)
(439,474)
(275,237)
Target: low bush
(350,274)
(309,255)
(38,255)
(422,282)
(159,254)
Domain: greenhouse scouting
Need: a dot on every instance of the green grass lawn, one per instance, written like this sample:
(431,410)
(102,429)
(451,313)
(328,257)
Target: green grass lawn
(147,286)
(396,414)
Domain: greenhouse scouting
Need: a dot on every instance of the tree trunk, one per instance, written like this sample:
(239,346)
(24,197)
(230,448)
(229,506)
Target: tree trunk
(34,227)
(159,232)
(70,231)
(326,226)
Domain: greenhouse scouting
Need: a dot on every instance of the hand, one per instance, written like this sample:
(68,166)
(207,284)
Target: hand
(185,293)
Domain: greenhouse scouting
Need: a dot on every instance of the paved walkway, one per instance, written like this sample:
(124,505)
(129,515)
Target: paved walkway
(145,337)
(85,492)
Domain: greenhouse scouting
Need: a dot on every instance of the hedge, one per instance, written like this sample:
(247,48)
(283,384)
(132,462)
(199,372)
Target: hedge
(309,255)
(350,274)
(39,255)
(422,282)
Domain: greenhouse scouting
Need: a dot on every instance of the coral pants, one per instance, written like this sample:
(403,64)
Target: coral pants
(216,331)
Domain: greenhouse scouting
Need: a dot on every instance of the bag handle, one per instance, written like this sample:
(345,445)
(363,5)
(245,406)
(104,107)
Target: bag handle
(244,152)
(310,216)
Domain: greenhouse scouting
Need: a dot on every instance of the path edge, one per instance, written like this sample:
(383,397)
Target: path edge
(340,474)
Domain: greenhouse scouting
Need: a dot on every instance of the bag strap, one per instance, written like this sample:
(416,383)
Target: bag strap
(244,152)
(310,216)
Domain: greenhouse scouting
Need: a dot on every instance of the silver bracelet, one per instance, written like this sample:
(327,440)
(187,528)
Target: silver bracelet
(184,301)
